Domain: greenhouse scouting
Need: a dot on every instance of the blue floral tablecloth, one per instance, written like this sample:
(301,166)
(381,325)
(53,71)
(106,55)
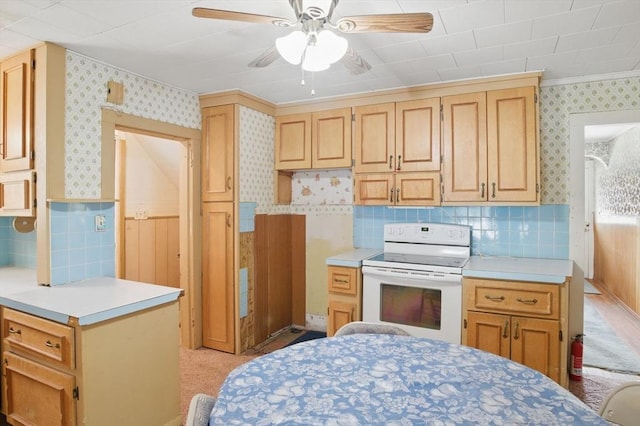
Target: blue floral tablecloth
(375,379)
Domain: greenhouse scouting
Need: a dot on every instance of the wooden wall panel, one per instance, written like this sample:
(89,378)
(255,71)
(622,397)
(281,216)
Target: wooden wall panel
(152,249)
(298,270)
(280,287)
(617,260)
(261,279)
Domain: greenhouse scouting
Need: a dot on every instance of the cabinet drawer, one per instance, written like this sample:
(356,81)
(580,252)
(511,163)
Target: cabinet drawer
(541,300)
(44,339)
(343,280)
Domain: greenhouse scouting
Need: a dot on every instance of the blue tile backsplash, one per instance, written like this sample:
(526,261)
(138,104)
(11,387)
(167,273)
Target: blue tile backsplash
(539,232)
(16,249)
(78,251)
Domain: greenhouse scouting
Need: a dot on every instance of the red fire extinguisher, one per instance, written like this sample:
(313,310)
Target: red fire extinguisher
(575,372)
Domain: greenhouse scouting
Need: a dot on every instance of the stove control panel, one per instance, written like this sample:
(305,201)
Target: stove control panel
(428,233)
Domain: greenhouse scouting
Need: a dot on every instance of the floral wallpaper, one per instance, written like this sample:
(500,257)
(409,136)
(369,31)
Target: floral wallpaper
(619,185)
(557,103)
(86,95)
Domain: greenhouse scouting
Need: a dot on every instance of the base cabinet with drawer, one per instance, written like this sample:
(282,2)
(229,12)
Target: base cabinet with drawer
(523,321)
(119,371)
(345,297)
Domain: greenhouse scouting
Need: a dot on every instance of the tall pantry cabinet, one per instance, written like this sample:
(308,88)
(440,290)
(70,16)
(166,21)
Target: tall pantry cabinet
(219,226)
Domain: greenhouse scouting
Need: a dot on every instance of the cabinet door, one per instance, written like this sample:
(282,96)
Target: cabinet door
(18,194)
(331,139)
(536,344)
(37,395)
(418,135)
(465,147)
(16,112)
(512,149)
(340,313)
(417,189)
(374,189)
(218,292)
(489,332)
(218,145)
(293,142)
(374,138)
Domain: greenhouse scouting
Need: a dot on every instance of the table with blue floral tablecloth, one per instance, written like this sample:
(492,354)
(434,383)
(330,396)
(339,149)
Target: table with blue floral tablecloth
(372,379)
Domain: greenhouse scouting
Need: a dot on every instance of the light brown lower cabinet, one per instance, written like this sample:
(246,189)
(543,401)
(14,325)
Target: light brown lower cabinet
(523,321)
(345,297)
(122,371)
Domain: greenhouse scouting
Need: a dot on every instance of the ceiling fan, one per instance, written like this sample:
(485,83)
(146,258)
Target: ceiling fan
(315,46)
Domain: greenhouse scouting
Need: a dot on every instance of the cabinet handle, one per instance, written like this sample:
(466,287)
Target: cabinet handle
(505,332)
(51,345)
(494,298)
(397,195)
(516,333)
(391,162)
(229,183)
(229,220)
(399,158)
(482,192)
(391,196)
(14,331)
(527,301)
(493,191)
(341,281)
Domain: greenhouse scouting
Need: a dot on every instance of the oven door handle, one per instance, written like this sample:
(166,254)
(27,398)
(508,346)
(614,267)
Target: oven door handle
(413,275)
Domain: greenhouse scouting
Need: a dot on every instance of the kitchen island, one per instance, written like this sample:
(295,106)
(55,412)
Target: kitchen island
(98,351)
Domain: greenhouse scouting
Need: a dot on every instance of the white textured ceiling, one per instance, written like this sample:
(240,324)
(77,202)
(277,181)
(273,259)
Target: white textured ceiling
(161,40)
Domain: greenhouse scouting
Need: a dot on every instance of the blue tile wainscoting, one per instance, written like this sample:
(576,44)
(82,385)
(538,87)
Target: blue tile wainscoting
(78,251)
(16,248)
(538,232)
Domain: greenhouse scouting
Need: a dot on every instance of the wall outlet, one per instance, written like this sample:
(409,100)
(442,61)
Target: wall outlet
(141,214)
(99,222)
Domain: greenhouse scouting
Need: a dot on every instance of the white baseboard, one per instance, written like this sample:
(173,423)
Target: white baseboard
(316,322)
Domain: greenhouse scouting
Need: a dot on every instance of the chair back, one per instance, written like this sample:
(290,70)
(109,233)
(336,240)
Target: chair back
(622,405)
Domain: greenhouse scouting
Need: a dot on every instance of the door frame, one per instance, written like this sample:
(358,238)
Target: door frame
(190,220)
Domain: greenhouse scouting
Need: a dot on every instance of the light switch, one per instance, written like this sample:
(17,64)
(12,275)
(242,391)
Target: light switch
(100,223)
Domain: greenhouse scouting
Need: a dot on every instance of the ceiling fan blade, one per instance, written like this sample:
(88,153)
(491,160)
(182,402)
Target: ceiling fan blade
(203,12)
(354,62)
(267,58)
(420,22)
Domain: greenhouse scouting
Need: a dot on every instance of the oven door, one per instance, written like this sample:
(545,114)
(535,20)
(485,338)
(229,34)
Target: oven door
(422,303)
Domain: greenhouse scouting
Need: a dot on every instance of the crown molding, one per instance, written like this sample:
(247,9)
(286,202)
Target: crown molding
(590,78)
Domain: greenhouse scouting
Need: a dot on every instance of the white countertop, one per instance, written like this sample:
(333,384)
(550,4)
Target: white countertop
(554,271)
(353,258)
(89,301)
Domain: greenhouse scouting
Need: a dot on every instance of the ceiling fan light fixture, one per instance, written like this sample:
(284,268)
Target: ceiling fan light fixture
(292,46)
(314,59)
(332,46)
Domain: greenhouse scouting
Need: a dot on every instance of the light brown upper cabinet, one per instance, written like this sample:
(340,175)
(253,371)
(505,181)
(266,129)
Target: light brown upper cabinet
(490,147)
(218,145)
(398,137)
(16,112)
(318,140)
(397,189)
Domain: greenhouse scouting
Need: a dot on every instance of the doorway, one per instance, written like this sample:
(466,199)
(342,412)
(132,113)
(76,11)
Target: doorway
(577,204)
(189,221)
(148,173)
